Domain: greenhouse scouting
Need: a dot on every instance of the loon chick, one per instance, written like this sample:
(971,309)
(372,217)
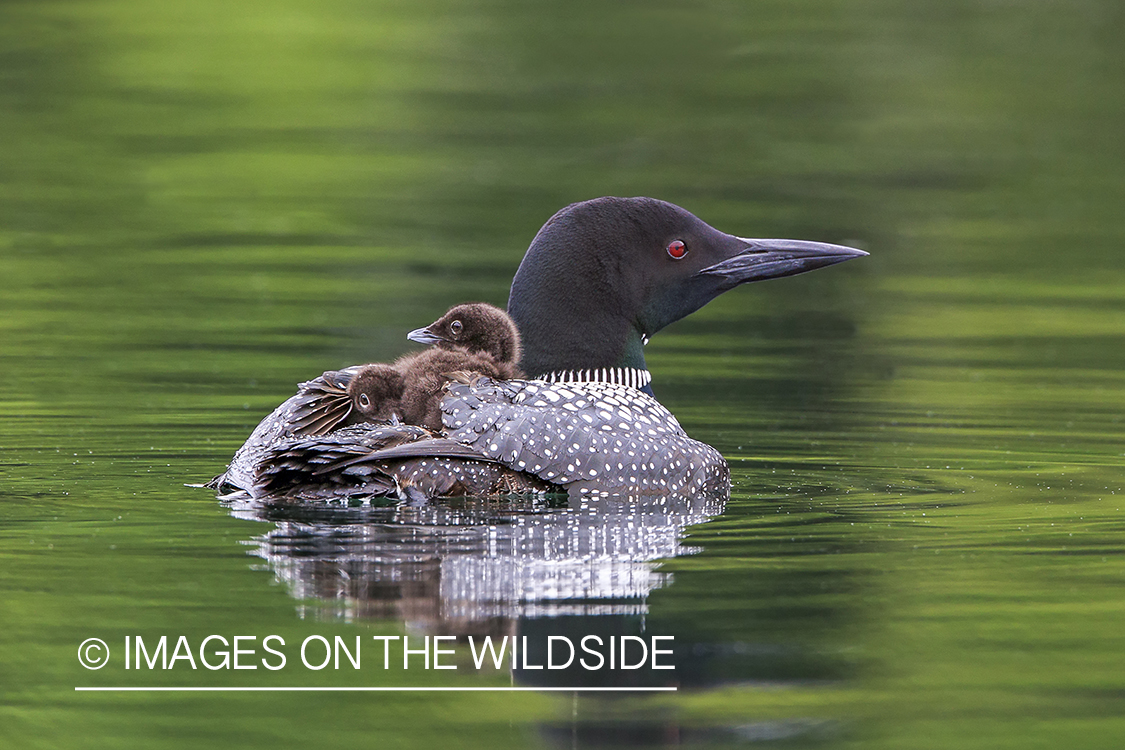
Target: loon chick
(475,337)
(475,327)
(599,279)
(376,392)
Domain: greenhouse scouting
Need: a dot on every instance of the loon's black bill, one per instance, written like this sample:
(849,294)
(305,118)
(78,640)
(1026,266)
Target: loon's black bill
(772,259)
(424,336)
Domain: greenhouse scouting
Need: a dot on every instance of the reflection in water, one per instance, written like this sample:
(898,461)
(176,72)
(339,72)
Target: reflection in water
(475,565)
(533,569)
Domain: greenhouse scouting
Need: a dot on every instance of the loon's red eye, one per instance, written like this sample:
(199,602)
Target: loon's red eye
(677,250)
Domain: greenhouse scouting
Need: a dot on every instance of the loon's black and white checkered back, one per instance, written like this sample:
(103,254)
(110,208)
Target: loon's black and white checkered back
(590,437)
(582,437)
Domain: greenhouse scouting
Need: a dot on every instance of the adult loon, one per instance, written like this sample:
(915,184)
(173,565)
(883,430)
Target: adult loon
(599,280)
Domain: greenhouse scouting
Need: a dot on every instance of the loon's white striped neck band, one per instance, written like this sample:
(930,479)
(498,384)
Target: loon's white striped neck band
(630,376)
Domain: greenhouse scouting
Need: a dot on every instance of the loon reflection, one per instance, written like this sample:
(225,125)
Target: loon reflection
(469,566)
(530,569)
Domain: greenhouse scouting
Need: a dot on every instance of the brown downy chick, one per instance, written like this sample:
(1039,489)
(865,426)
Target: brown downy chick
(475,338)
(475,327)
(376,392)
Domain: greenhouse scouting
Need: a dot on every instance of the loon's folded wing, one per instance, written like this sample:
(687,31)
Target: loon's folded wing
(433,447)
(331,460)
(373,460)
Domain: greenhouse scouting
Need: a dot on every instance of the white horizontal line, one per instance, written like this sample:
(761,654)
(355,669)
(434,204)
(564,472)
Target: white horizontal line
(379,689)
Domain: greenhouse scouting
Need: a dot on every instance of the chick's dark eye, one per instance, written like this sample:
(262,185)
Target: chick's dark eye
(364,400)
(677,250)
(456,327)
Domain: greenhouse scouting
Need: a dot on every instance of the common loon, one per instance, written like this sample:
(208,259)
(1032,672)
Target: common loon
(599,280)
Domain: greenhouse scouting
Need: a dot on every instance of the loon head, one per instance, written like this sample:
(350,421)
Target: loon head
(375,391)
(602,276)
(476,327)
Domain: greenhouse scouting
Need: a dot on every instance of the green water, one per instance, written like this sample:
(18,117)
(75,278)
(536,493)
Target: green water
(202,204)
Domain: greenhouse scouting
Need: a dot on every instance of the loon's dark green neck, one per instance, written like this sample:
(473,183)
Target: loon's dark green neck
(635,352)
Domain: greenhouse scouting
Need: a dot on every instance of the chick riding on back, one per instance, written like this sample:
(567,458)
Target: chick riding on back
(471,338)
(474,338)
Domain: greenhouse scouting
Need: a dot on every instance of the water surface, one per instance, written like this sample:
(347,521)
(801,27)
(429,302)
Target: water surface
(202,206)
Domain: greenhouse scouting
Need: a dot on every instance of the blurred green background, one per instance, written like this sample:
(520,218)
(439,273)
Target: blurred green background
(202,204)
